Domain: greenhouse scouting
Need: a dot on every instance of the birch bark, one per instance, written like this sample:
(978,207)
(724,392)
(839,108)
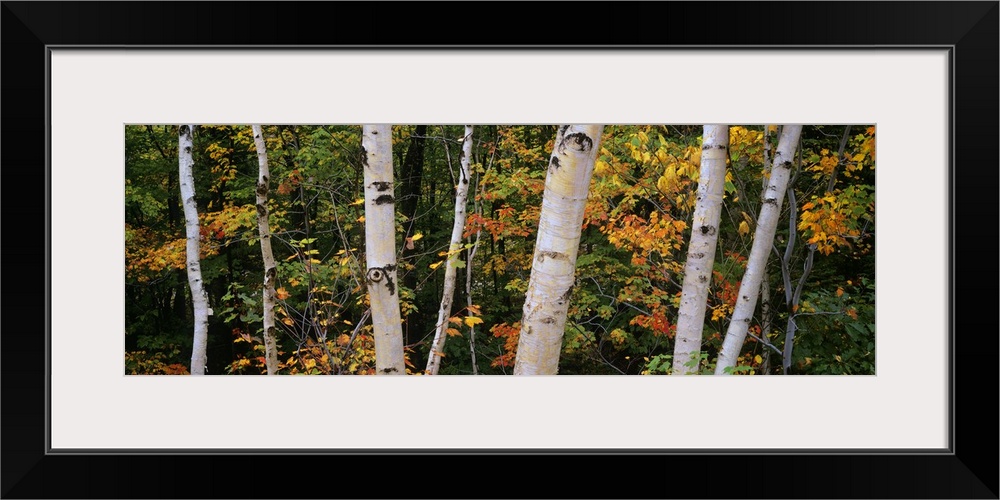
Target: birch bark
(199,299)
(380,249)
(767,224)
(454,253)
(553,266)
(701,250)
(270,268)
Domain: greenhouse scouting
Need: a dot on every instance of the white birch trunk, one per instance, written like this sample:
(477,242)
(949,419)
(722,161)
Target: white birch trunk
(454,252)
(552,271)
(199,299)
(270,268)
(380,249)
(701,250)
(763,239)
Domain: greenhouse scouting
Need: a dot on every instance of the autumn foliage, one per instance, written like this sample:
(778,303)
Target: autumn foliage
(623,310)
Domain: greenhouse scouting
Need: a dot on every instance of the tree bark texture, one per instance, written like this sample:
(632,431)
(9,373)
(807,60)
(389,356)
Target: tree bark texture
(270,268)
(550,286)
(767,224)
(454,253)
(199,299)
(701,250)
(380,248)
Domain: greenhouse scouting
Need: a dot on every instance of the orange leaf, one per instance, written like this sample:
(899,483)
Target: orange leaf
(453,332)
(282,294)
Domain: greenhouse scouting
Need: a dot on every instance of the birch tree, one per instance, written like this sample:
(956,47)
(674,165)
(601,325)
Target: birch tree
(454,252)
(380,248)
(701,249)
(767,224)
(199,299)
(550,286)
(270,268)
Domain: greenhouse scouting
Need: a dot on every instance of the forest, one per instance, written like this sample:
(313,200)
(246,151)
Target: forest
(500,249)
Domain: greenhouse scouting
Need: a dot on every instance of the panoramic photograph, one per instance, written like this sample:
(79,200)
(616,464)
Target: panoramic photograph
(615,249)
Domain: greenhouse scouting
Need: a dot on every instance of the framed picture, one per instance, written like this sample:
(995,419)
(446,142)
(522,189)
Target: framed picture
(925,73)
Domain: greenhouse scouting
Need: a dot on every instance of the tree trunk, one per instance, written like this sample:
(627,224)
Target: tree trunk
(199,299)
(270,268)
(454,253)
(412,172)
(701,250)
(380,248)
(552,272)
(767,224)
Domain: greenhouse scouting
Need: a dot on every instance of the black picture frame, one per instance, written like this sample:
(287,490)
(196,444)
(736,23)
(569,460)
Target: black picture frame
(968,470)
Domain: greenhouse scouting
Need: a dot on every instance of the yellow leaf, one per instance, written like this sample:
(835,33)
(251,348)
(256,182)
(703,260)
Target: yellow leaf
(453,332)
(361,219)
(288,321)
(669,178)
(310,363)
(416,237)
(472,321)
(744,228)
(662,156)
(436,265)
(757,359)
(359,201)
(601,168)
(696,157)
